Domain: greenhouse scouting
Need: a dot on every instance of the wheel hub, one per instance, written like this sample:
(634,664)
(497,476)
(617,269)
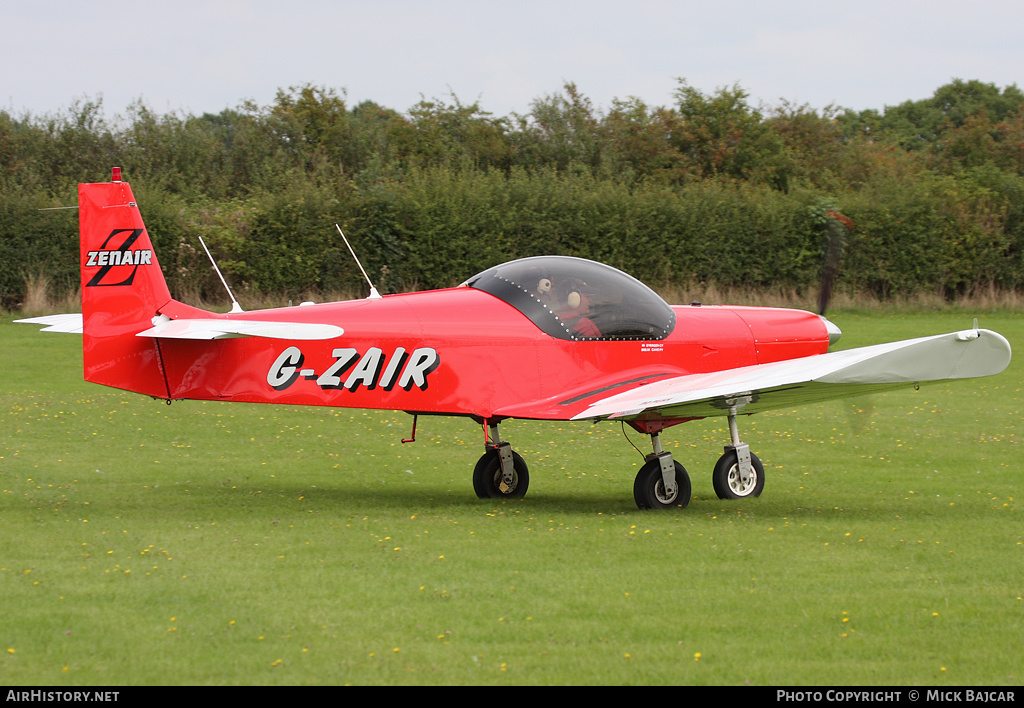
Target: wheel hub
(663,497)
(740,485)
(503,485)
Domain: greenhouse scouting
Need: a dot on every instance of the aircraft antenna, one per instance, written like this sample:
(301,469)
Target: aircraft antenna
(373,291)
(235,307)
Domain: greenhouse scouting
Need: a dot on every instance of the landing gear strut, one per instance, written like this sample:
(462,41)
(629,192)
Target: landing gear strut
(500,473)
(662,483)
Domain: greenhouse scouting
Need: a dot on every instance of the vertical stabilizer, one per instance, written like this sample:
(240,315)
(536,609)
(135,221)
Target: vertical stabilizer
(122,289)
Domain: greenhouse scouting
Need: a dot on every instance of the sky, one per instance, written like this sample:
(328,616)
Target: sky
(194,57)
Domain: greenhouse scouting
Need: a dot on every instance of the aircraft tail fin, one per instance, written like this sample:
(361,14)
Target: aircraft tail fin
(122,290)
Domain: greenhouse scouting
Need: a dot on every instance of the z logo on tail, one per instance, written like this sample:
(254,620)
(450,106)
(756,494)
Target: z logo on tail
(109,258)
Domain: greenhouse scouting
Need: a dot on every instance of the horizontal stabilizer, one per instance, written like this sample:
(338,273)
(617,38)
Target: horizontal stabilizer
(750,389)
(166,328)
(70,323)
(202,328)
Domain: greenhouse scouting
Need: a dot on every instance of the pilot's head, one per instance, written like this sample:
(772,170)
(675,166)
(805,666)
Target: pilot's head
(578,295)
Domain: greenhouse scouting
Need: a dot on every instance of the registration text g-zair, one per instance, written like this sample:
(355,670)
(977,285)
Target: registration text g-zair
(371,370)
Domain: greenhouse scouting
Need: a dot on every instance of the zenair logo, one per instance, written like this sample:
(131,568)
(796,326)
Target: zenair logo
(106,259)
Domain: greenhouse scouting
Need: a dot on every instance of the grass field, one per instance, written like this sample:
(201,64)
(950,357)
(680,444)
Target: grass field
(208,543)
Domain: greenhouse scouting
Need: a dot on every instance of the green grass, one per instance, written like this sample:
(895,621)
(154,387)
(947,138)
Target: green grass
(207,543)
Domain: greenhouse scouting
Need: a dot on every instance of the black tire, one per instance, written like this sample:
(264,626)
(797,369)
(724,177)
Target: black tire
(487,477)
(649,488)
(726,477)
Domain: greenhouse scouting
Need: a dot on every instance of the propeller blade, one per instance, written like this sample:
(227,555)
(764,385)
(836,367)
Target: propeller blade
(836,239)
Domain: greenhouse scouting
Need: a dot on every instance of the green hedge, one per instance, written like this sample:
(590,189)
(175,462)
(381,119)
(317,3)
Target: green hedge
(709,190)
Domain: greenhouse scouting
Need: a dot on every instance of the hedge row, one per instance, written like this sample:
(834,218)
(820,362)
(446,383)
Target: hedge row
(439,225)
(707,190)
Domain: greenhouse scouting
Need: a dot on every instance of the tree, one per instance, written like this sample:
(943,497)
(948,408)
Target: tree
(559,130)
(813,143)
(636,139)
(440,133)
(917,124)
(310,124)
(722,135)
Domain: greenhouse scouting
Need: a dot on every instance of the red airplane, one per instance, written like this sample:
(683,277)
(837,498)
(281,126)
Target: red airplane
(545,338)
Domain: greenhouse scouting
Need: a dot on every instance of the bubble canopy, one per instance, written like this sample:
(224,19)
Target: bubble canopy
(576,299)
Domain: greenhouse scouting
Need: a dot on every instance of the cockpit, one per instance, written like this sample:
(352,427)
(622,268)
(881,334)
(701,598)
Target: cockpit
(577,299)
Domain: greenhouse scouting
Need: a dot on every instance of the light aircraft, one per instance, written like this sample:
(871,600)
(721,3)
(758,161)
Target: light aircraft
(544,338)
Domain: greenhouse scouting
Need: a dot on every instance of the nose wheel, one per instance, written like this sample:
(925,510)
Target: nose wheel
(731,482)
(738,474)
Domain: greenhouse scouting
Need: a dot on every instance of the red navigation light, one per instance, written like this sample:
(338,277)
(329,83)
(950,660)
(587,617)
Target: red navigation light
(115,175)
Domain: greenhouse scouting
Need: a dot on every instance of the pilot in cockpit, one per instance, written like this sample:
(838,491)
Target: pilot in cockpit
(574,298)
(543,292)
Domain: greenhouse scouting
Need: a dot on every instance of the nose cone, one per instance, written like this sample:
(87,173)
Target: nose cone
(834,333)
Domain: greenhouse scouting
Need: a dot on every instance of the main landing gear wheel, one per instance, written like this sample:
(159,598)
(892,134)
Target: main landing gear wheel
(649,488)
(729,483)
(487,481)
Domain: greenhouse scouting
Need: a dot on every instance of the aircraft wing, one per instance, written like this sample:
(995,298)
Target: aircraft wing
(751,389)
(166,328)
